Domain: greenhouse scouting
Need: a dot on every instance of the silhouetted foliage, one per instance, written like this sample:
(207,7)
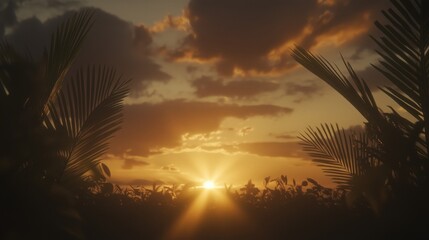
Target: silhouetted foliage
(54,128)
(281,209)
(387,163)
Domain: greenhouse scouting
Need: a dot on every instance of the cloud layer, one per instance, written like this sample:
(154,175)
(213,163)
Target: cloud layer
(150,127)
(253,36)
(206,86)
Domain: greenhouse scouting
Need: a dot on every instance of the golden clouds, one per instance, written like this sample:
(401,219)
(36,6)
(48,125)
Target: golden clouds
(150,127)
(206,86)
(179,23)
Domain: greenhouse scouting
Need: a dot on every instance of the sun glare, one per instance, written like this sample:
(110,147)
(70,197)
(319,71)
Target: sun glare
(208,185)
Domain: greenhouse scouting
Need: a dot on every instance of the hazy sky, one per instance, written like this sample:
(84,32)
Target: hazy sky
(216,94)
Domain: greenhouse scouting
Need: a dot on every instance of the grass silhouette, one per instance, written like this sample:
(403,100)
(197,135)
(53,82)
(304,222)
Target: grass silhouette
(279,210)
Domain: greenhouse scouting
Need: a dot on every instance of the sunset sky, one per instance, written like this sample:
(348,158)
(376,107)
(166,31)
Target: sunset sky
(215,93)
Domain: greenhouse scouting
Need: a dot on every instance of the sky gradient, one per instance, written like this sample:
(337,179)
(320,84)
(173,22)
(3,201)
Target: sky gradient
(215,92)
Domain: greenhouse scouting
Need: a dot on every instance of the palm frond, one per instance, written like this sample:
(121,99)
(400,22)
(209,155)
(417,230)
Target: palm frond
(404,49)
(65,44)
(356,91)
(341,155)
(16,75)
(89,108)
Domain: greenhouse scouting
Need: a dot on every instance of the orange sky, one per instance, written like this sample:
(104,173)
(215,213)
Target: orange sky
(216,94)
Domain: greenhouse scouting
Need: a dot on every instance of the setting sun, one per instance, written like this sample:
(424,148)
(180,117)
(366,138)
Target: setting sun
(208,185)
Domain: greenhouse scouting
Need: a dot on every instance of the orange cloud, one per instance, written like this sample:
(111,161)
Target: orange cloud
(207,86)
(179,23)
(150,127)
(264,149)
(273,149)
(252,37)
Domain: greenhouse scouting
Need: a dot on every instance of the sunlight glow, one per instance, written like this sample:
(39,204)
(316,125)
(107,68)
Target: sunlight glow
(208,185)
(205,203)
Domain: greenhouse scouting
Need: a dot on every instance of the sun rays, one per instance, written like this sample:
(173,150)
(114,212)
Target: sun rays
(208,185)
(205,203)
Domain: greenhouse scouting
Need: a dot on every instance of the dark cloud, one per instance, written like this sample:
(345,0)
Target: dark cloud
(64,4)
(149,127)
(115,42)
(303,90)
(373,78)
(191,69)
(9,8)
(293,88)
(343,19)
(7,16)
(250,35)
(111,41)
(207,86)
(242,32)
(132,160)
(280,149)
(284,136)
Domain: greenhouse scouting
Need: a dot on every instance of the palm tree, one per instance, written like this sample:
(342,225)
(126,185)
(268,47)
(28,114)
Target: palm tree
(54,125)
(51,122)
(391,154)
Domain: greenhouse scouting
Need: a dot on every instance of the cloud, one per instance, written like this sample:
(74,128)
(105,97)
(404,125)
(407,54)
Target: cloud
(273,149)
(373,78)
(170,168)
(304,90)
(133,160)
(207,86)
(286,149)
(293,88)
(265,149)
(180,22)
(150,127)
(253,36)
(111,41)
(285,136)
(342,21)
(245,131)
(65,4)
(129,160)
(7,16)
(241,33)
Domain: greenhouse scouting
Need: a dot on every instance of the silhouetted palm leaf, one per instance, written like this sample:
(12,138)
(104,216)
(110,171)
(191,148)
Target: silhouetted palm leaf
(356,91)
(89,107)
(52,130)
(405,57)
(402,143)
(341,154)
(65,44)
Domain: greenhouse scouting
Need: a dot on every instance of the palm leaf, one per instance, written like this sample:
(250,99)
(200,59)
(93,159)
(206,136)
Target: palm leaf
(17,75)
(356,91)
(89,108)
(65,44)
(341,155)
(404,48)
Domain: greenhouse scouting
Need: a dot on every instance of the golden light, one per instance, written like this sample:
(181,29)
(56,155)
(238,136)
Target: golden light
(205,201)
(208,184)
(204,204)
